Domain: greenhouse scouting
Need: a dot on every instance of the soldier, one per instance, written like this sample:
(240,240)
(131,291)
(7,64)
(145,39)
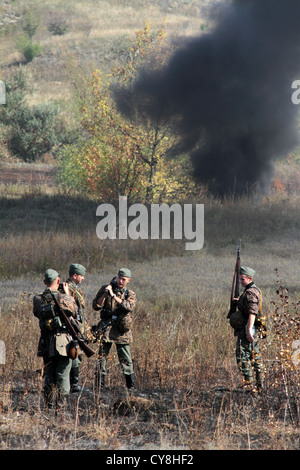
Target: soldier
(55,339)
(76,276)
(116,303)
(248,354)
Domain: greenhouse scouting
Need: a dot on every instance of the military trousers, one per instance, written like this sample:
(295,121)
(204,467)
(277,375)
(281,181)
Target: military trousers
(124,356)
(249,359)
(57,375)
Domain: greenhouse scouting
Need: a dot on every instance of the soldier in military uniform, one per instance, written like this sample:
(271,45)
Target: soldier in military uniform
(76,276)
(248,354)
(55,339)
(116,303)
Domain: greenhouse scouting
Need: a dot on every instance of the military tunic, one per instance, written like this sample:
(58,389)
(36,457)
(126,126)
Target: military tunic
(54,340)
(117,316)
(116,321)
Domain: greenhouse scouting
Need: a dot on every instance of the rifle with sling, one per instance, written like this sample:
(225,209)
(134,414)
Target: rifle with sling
(235,289)
(73,329)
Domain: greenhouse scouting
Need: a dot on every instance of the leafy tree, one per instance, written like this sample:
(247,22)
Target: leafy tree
(130,147)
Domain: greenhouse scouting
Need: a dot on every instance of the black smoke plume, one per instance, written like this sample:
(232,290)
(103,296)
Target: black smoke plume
(227,94)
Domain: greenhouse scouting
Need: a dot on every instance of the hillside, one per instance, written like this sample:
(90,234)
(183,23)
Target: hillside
(96,34)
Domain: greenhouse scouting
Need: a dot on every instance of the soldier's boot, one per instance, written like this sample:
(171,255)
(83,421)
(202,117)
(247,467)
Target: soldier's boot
(247,383)
(259,381)
(74,380)
(129,381)
(48,398)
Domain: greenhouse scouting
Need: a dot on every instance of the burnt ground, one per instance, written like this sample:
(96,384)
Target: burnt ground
(216,418)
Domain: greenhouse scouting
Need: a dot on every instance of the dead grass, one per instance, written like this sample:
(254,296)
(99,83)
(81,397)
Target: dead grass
(97,35)
(183,350)
(186,395)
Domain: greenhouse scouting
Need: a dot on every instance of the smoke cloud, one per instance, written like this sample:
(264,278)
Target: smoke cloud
(227,94)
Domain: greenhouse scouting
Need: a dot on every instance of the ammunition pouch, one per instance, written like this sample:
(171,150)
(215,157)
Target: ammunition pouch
(53,324)
(46,311)
(62,341)
(237,321)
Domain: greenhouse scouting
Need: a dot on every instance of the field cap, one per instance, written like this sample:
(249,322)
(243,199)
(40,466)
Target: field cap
(247,271)
(124,272)
(76,268)
(50,275)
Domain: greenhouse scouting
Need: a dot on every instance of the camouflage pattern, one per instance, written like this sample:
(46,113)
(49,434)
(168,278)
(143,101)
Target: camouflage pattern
(248,355)
(249,301)
(119,329)
(77,294)
(53,334)
(54,341)
(116,319)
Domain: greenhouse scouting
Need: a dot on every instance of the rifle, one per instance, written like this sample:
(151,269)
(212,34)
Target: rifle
(99,329)
(73,329)
(235,289)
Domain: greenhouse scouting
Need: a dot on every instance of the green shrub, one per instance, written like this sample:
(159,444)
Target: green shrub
(28,48)
(32,131)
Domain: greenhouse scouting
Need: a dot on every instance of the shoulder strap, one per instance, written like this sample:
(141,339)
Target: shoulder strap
(260,298)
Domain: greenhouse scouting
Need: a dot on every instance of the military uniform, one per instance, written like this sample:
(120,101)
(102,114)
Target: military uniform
(248,354)
(115,324)
(78,296)
(54,340)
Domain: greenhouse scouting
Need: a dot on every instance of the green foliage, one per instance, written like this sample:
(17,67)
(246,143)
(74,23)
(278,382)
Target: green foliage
(29,131)
(126,156)
(102,172)
(25,43)
(30,22)
(28,48)
(32,132)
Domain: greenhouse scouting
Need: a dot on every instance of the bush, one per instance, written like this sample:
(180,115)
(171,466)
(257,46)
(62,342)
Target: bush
(32,131)
(57,23)
(28,48)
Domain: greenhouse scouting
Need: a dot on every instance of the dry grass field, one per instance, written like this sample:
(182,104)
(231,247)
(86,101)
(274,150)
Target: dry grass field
(187,394)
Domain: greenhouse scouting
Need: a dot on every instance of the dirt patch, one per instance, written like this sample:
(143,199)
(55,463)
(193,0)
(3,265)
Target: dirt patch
(28,175)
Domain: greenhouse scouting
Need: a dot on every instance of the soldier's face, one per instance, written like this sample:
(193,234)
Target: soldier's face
(245,280)
(78,278)
(122,281)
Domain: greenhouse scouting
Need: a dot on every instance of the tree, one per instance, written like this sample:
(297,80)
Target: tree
(135,145)
(28,131)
